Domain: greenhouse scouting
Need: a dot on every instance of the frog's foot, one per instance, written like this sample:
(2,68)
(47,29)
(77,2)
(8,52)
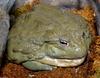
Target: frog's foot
(34,65)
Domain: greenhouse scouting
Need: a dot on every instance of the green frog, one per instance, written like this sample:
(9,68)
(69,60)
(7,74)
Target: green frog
(48,38)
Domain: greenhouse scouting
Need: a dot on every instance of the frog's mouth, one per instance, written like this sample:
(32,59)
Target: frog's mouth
(62,62)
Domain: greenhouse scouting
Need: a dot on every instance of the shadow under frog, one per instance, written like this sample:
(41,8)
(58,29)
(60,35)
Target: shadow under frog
(47,38)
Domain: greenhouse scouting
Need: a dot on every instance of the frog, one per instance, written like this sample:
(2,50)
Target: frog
(48,38)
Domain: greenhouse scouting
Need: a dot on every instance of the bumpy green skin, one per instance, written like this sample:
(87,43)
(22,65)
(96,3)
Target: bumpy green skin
(42,33)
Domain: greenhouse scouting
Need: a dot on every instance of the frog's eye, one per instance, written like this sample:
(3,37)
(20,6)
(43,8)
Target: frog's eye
(64,42)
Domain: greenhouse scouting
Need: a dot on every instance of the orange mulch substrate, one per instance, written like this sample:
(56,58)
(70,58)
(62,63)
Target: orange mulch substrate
(25,8)
(89,69)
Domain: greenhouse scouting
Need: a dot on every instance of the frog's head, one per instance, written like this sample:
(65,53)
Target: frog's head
(69,49)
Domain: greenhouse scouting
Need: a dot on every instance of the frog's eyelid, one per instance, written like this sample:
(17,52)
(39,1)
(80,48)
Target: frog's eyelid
(54,41)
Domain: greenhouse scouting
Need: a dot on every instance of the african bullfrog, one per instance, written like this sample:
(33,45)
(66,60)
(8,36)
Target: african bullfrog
(47,38)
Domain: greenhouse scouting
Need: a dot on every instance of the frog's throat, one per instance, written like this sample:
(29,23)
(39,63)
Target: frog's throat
(62,62)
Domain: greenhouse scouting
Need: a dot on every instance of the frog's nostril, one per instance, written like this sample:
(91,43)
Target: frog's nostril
(83,35)
(77,49)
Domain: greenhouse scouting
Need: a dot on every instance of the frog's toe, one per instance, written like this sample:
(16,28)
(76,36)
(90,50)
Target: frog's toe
(34,65)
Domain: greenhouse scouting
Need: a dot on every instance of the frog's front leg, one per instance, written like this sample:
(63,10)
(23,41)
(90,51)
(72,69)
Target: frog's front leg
(34,65)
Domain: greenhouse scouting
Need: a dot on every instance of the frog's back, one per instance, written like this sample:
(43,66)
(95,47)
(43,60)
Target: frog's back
(50,22)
